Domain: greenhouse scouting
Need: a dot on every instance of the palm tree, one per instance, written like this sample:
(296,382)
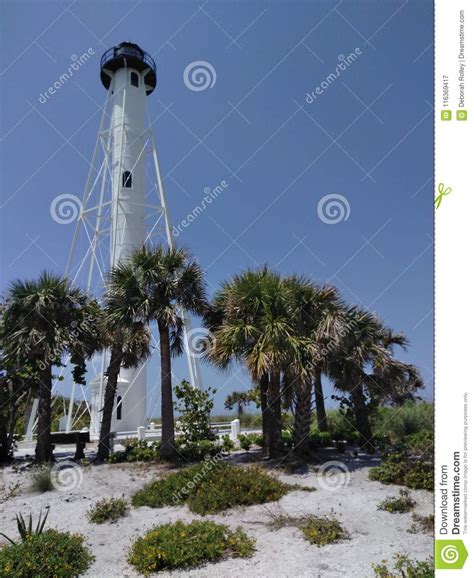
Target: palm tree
(129,346)
(158,284)
(315,313)
(39,319)
(250,319)
(364,366)
(239,399)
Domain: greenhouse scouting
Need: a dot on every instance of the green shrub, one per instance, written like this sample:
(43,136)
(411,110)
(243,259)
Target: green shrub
(41,479)
(405,568)
(195,406)
(181,545)
(172,489)
(319,438)
(107,510)
(422,524)
(136,451)
(287,439)
(245,442)
(397,423)
(227,444)
(414,475)
(323,531)
(341,425)
(197,450)
(404,503)
(421,443)
(212,487)
(45,555)
(249,439)
(235,486)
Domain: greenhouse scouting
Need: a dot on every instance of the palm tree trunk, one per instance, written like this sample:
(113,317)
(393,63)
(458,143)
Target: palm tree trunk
(274,415)
(168,448)
(113,371)
(4,445)
(264,408)
(362,418)
(320,407)
(43,438)
(302,417)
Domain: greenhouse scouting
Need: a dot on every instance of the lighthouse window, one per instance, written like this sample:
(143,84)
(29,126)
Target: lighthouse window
(127,180)
(134,80)
(119,407)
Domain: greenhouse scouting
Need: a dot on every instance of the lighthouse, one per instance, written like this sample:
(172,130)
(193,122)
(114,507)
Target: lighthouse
(128,73)
(123,206)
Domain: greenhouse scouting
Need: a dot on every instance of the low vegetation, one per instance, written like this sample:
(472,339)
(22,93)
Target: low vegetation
(41,480)
(317,530)
(107,510)
(404,503)
(405,568)
(409,463)
(136,451)
(25,530)
(247,440)
(323,531)
(181,545)
(423,524)
(212,487)
(50,553)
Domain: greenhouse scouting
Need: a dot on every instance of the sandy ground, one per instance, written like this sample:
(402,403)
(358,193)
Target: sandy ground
(374,535)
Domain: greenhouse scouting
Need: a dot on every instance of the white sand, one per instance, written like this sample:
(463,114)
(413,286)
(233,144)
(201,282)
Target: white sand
(374,535)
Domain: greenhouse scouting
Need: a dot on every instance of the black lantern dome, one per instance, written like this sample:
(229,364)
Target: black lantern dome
(129,55)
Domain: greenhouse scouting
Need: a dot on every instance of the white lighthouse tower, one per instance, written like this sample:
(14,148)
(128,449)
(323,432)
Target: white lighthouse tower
(123,207)
(129,75)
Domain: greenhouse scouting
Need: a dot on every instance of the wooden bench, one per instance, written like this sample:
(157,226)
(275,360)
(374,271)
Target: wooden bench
(77,438)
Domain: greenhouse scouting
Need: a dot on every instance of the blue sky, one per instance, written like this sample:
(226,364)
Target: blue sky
(368,137)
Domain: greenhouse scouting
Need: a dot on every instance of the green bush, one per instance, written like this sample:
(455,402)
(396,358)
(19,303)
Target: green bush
(212,487)
(404,503)
(341,426)
(397,423)
(41,479)
(235,486)
(422,524)
(181,545)
(399,469)
(287,439)
(319,438)
(193,451)
(405,568)
(195,406)
(323,531)
(249,439)
(227,444)
(107,510)
(45,555)
(245,442)
(136,451)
